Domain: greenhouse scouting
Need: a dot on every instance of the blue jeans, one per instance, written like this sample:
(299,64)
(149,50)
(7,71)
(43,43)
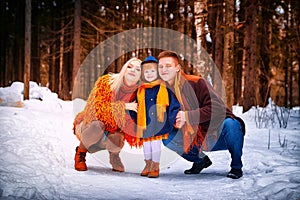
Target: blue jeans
(231,139)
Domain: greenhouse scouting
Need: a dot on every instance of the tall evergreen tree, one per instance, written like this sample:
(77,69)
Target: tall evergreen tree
(27,48)
(238,53)
(77,32)
(250,55)
(228,55)
(200,12)
(216,29)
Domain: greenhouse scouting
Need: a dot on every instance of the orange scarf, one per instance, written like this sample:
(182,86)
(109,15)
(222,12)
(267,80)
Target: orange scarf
(187,129)
(162,101)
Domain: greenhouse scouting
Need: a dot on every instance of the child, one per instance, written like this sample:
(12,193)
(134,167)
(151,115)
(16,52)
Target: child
(156,114)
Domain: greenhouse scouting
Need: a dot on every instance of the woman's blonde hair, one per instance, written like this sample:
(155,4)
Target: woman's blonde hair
(116,80)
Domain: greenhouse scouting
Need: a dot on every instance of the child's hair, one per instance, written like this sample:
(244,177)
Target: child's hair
(149,65)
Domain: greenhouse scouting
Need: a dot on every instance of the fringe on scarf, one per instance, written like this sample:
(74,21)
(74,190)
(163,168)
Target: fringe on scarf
(138,142)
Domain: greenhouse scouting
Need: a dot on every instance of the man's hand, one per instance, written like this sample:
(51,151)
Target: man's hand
(180,119)
(131,106)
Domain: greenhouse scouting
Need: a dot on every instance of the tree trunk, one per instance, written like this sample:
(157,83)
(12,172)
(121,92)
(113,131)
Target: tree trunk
(3,43)
(35,45)
(61,60)
(297,18)
(291,99)
(289,35)
(238,66)
(228,61)
(265,44)
(77,30)
(18,53)
(299,80)
(27,48)
(286,77)
(215,21)
(52,70)
(250,59)
(287,61)
(200,11)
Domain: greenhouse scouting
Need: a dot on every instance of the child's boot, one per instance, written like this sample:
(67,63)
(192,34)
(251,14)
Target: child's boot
(146,170)
(154,170)
(80,159)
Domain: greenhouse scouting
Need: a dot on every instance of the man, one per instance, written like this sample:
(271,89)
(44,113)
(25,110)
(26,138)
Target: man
(204,122)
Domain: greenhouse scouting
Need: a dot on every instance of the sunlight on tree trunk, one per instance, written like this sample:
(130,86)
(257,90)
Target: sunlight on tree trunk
(228,61)
(27,48)
(77,30)
(250,59)
(200,9)
(61,60)
(216,25)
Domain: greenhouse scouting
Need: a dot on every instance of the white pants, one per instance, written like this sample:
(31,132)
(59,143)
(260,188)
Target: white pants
(152,150)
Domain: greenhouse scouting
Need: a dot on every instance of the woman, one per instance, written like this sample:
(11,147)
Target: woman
(106,113)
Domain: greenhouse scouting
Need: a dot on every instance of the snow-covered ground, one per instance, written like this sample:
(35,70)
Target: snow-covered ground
(37,149)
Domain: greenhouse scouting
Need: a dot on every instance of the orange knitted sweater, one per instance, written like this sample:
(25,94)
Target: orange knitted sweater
(100,107)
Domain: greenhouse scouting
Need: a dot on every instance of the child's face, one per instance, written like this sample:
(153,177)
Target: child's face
(150,74)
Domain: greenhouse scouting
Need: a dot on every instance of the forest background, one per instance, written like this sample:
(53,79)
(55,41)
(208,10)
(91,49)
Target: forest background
(255,44)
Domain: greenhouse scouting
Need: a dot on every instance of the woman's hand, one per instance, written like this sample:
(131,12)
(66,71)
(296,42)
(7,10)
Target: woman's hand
(180,119)
(131,106)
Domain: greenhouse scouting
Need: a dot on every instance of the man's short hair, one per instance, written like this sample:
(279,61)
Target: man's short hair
(168,53)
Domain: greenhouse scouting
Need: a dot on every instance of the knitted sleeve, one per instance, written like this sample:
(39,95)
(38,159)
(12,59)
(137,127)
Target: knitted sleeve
(98,105)
(118,112)
(78,119)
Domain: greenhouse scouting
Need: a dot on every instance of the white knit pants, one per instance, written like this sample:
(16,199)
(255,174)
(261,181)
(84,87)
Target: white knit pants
(152,150)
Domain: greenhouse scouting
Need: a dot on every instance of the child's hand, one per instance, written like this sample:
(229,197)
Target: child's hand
(131,106)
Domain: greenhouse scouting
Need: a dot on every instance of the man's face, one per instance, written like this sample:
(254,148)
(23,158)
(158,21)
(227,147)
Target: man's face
(168,68)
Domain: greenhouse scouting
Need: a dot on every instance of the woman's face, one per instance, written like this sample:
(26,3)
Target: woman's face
(133,73)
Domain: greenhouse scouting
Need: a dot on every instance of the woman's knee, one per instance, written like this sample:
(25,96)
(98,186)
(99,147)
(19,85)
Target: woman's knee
(96,126)
(115,142)
(92,133)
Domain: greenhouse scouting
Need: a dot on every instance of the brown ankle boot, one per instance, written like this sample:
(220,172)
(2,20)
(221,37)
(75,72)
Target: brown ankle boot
(154,170)
(146,170)
(80,159)
(115,161)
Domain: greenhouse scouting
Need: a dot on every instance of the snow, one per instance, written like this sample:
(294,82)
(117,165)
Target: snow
(37,150)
